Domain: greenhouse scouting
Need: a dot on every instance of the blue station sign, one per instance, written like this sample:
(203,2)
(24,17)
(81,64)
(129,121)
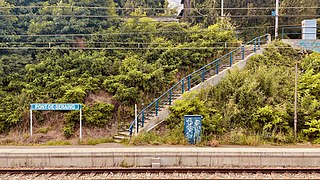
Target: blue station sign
(55,107)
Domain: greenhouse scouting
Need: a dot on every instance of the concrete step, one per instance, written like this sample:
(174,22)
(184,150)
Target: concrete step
(117,140)
(120,137)
(124,133)
(176,95)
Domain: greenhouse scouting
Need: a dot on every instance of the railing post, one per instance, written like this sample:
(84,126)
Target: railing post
(282,33)
(182,86)
(189,83)
(242,49)
(142,117)
(203,74)
(136,119)
(259,43)
(137,125)
(268,37)
(231,59)
(170,97)
(157,107)
(255,45)
(217,67)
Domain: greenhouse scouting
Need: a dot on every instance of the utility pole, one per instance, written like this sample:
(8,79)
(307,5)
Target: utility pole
(222,8)
(277,19)
(295,100)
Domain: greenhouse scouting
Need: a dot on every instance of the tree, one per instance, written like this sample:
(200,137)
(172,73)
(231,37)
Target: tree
(70,17)
(7,22)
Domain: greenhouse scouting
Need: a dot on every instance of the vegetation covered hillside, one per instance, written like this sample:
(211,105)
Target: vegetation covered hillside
(107,82)
(111,54)
(255,105)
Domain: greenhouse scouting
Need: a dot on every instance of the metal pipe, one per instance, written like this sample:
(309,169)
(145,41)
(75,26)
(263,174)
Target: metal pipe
(277,19)
(222,14)
(80,124)
(295,100)
(136,115)
(30,122)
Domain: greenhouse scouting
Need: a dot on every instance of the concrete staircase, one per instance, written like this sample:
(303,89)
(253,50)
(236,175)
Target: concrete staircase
(156,112)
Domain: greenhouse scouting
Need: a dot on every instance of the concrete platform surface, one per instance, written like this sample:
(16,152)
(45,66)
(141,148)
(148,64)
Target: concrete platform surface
(187,156)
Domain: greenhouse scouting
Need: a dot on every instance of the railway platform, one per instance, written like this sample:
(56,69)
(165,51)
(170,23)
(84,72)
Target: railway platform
(115,155)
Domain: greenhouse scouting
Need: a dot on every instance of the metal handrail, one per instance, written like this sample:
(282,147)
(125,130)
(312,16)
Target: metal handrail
(193,79)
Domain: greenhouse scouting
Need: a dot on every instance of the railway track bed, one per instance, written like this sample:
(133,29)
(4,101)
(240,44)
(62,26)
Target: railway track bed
(160,173)
(156,170)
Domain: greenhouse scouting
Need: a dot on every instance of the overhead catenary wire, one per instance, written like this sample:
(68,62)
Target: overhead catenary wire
(141,32)
(109,33)
(115,48)
(152,8)
(16,38)
(119,42)
(121,48)
(125,16)
(151,16)
(136,48)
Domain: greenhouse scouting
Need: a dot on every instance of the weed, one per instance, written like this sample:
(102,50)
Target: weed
(91,141)
(239,136)
(123,163)
(57,143)
(147,138)
(7,141)
(172,137)
(44,130)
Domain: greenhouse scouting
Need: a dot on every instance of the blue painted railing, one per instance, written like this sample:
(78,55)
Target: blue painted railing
(195,78)
(297,28)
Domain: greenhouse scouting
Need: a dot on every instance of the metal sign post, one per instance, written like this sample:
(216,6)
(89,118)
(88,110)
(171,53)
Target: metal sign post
(222,14)
(80,124)
(277,19)
(30,122)
(56,107)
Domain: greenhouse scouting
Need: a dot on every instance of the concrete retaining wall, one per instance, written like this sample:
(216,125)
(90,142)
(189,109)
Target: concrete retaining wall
(313,45)
(144,157)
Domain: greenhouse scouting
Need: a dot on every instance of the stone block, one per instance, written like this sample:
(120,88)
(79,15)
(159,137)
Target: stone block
(189,159)
(124,159)
(156,165)
(102,159)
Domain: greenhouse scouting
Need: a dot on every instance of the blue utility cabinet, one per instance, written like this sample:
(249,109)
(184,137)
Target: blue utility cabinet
(192,128)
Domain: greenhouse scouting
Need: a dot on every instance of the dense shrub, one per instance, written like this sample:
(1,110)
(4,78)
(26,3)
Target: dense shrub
(256,101)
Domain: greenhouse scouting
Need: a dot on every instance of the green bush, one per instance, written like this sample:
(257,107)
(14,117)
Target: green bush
(68,130)
(99,114)
(192,105)
(75,95)
(71,119)
(247,106)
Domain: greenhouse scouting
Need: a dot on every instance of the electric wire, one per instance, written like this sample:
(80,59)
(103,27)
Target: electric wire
(143,48)
(153,8)
(153,16)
